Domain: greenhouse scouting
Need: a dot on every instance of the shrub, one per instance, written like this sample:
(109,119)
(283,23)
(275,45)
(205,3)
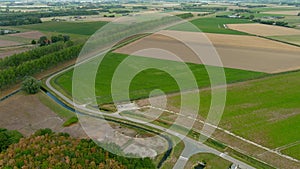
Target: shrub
(70,121)
(8,137)
(42,132)
(108,107)
(33,42)
(31,85)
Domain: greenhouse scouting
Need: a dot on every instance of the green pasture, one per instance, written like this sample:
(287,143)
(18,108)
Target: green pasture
(266,110)
(212,25)
(293,151)
(147,80)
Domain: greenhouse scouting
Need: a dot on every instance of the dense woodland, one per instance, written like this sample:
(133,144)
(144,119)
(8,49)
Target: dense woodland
(46,149)
(14,68)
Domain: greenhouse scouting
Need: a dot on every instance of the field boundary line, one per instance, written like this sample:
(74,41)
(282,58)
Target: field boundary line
(287,146)
(230,133)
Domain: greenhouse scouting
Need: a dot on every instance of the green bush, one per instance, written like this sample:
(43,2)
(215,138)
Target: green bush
(8,137)
(42,132)
(31,85)
(108,107)
(70,121)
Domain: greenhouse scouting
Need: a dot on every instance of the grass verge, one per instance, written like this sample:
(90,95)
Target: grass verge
(211,161)
(70,121)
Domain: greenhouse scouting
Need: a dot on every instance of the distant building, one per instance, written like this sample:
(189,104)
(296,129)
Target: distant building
(233,16)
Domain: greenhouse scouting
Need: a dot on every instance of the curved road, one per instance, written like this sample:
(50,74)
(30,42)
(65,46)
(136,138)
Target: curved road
(191,146)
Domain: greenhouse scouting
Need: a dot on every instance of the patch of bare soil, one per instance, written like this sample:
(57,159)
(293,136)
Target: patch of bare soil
(14,50)
(263,29)
(240,52)
(27,114)
(6,43)
(29,35)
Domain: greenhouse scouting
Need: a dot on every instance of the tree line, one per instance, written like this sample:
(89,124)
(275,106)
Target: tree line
(35,64)
(21,18)
(197,9)
(17,59)
(43,41)
(270,22)
(185,15)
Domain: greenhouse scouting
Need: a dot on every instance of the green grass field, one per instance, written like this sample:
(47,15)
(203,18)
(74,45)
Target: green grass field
(86,28)
(15,39)
(212,161)
(266,110)
(149,79)
(293,151)
(212,25)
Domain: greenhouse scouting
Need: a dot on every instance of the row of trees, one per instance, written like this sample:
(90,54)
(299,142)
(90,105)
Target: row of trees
(36,53)
(14,74)
(46,149)
(43,41)
(269,22)
(185,15)
(198,9)
(21,18)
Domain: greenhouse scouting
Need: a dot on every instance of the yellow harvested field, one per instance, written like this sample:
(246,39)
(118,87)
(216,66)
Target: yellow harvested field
(263,29)
(283,12)
(235,51)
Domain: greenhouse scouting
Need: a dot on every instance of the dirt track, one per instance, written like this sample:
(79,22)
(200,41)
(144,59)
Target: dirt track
(241,52)
(263,29)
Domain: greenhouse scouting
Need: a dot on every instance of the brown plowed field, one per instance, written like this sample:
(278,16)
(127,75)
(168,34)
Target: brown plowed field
(5,43)
(26,113)
(29,35)
(263,29)
(241,52)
